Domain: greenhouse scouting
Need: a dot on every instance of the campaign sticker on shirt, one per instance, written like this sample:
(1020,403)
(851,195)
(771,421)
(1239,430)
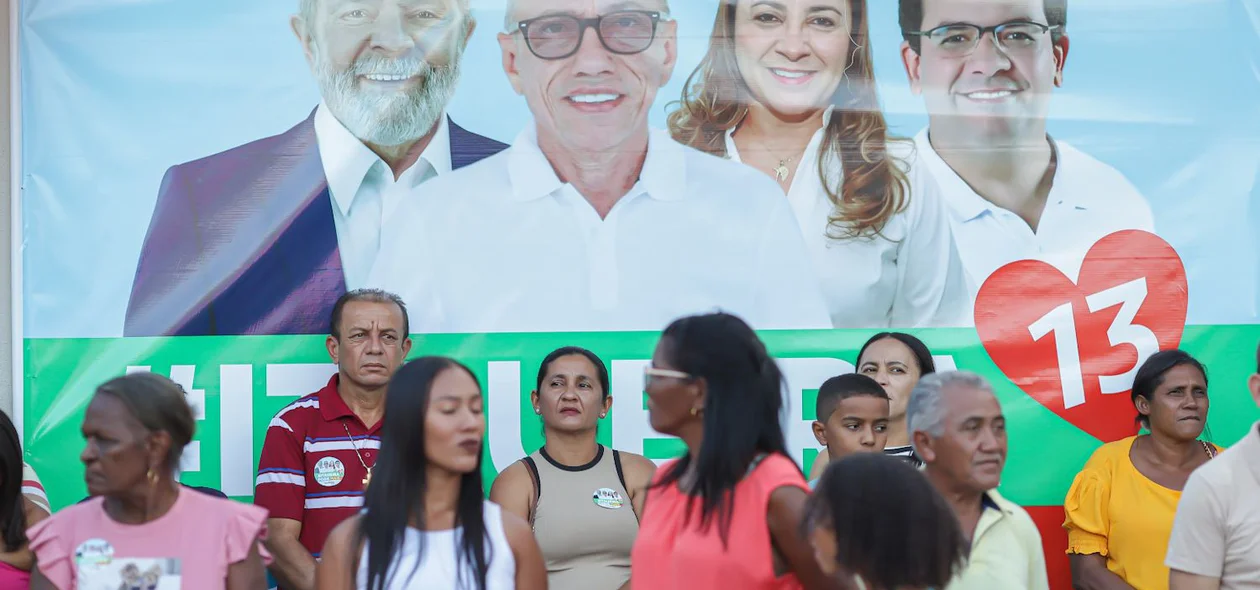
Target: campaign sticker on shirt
(608,498)
(329,471)
(94,553)
(144,573)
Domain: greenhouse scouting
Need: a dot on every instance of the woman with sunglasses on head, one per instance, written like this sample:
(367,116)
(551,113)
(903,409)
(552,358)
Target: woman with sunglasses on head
(726,514)
(425,521)
(136,429)
(1120,508)
(788,88)
(896,361)
(582,499)
(881,523)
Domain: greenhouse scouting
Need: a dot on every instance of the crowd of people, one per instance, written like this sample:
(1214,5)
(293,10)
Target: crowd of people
(375,482)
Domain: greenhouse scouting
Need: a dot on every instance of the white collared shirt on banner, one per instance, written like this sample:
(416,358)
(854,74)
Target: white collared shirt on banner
(1088,201)
(364,191)
(505,246)
(908,276)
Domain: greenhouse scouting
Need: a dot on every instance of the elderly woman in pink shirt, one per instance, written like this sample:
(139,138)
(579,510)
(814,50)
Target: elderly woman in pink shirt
(142,529)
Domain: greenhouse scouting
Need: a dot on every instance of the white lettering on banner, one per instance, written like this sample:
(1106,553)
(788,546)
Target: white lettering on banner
(190,461)
(631,426)
(236,434)
(802,374)
(1129,296)
(503,390)
(297,380)
(944,362)
(1062,323)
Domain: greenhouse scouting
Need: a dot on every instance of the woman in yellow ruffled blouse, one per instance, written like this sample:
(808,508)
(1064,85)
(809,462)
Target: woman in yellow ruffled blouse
(1120,508)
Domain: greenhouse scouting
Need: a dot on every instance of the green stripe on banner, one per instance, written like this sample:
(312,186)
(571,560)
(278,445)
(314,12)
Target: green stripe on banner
(238,383)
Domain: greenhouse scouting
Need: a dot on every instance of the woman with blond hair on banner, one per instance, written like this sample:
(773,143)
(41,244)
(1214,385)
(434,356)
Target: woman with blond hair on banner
(788,88)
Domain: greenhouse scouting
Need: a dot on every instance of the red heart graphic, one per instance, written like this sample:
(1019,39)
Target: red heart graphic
(1039,329)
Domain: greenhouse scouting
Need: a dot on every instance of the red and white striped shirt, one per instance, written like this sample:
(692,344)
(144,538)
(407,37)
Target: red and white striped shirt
(33,489)
(313,464)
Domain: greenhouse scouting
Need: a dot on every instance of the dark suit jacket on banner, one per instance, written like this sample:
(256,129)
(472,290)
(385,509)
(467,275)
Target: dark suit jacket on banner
(244,242)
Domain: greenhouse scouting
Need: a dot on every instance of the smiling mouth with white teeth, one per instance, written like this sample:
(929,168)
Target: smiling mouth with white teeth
(388,77)
(593,98)
(791,74)
(990,94)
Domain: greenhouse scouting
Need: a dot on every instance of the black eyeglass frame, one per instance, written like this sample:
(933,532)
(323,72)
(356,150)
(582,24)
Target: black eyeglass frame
(591,23)
(990,30)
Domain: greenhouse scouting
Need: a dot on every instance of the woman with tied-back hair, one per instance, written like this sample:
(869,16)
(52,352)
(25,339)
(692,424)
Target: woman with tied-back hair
(425,521)
(896,361)
(136,428)
(17,512)
(878,521)
(1119,511)
(787,87)
(583,500)
(727,513)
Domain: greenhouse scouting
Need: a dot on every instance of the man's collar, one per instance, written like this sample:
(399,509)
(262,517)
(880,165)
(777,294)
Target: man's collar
(532,176)
(964,202)
(331,406)
(347,160)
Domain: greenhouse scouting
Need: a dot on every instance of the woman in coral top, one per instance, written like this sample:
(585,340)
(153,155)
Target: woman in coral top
(1120,508)
(726,514)
(142,529)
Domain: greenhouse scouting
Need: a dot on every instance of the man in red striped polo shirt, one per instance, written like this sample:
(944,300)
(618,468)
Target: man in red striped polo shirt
(319,451)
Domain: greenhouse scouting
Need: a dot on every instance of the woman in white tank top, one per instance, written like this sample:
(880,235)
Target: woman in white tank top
(582,499)
(448,536)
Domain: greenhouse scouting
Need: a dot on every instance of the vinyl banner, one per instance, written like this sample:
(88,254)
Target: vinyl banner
(1045,194)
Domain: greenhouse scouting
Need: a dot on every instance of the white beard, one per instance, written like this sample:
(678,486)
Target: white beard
(393,118)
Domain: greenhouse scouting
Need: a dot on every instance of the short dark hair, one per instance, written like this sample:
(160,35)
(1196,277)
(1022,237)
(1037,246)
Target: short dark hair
(892,527)
(159,405)
(911,17)
(367,296)
(1151,375)
(601,370)
(922,355)
(842,387)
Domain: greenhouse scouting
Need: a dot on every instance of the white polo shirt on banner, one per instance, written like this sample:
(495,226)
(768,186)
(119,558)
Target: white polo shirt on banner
(364,191)
(908,276)
(505,246)
(1088,201)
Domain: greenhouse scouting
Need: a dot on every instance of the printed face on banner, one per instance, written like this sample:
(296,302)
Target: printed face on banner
(990,87)
(386,68)
(589,88)
(792,55)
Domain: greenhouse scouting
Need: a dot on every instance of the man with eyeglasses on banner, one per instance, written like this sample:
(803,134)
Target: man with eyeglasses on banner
(986,70)
(591,221)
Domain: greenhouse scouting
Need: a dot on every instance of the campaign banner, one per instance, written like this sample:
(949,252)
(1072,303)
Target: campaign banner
(1046,192)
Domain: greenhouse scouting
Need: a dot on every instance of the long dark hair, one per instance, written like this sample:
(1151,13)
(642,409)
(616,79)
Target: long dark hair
(396,495)
(922,355)
(1151,375)
(892,527)
(12,513)
(741,407)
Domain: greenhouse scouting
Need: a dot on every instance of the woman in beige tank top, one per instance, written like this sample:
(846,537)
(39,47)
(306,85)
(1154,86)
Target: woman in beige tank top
(583,499)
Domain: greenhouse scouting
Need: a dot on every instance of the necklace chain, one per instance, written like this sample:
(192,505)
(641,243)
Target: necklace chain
(354,443)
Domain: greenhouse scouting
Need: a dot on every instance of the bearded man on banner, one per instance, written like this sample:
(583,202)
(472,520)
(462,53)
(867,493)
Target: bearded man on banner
(263,238)
(591,220)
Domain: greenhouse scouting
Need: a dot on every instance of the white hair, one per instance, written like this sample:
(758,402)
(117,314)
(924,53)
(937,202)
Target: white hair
(925,412)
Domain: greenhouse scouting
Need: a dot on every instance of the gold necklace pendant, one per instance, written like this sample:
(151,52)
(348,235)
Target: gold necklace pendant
(368,479)
(781,171)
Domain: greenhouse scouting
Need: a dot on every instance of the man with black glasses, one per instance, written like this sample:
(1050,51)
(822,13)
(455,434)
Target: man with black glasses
(591,220)
(986,70)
